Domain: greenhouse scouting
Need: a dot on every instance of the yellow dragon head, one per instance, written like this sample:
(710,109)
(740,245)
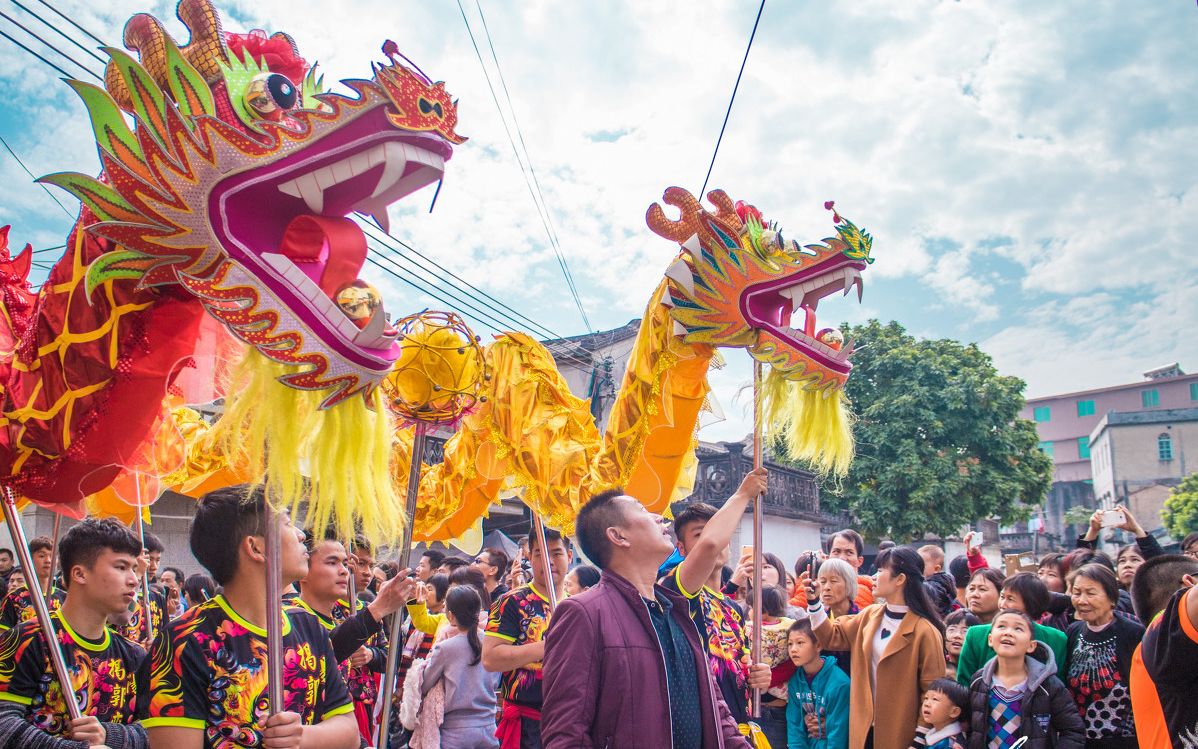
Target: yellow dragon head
(737,282)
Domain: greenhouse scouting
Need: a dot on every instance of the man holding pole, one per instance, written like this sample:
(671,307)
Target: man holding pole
(208,686)
(704,534)
(99,563)
(17,606)
(514,641)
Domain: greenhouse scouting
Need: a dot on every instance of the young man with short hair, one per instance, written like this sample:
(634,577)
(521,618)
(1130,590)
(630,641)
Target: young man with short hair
(134,627)
(208,684)
(6,567)
(322,593)
(624,663)
(430,560)
(704,534)
(18,606)
(99,562)
(153,552)
(493,564)
(514,642)
(449,564)
(1157,581)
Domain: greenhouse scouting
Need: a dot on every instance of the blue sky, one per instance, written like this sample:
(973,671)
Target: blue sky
(1027,168)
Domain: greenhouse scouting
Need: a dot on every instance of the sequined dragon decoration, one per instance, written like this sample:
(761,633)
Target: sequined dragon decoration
(736,282)
(228,175)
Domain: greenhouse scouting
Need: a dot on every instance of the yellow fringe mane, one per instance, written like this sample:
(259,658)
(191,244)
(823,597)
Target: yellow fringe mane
(329,468)
(815,426)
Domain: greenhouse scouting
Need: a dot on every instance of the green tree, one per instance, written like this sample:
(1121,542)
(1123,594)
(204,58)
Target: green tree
(1180,516)
(939,441)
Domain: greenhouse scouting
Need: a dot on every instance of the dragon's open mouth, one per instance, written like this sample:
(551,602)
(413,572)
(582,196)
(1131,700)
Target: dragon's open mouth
(774,306)
(288,223)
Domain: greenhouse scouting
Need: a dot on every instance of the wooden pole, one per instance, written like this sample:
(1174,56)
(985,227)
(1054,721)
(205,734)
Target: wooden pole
(57,662)
(405,549)
(758,459)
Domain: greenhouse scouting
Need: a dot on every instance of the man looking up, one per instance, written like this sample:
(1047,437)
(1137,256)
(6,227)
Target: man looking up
(623,661)
(18,606)
(493,564)
(208,686)
(99,563)
(514,642)
(703,536)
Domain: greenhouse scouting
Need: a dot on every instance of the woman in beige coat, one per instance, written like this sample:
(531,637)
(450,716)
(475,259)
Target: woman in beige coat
(897,652)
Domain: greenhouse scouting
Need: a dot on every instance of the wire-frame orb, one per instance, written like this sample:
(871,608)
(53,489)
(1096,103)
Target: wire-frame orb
(440,371)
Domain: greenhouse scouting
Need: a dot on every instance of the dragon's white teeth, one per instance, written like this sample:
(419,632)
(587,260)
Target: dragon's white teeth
(680,272)
(679,329)
(311,191)
(395,156)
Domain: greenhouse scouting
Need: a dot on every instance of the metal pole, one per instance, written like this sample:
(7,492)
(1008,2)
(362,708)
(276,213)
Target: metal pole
(755,645)
(274,605)
(405,549)
(146,614)
(58,663)
(539,527)
(54,553)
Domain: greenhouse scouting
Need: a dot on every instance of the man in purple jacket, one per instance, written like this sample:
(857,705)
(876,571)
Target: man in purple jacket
(624,666)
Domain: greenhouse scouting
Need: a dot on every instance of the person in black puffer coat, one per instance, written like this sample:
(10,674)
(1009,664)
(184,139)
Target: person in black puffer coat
(942,589)
(1047,714)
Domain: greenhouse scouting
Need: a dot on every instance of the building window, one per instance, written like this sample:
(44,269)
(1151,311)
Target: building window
(1194,391)
(1150,398)
(1085,408)
(1083,448)
(1042,414)
(1046,447)
(1164,447)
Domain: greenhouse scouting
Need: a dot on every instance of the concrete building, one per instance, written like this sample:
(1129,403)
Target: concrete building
(1067,422)
(1137,457)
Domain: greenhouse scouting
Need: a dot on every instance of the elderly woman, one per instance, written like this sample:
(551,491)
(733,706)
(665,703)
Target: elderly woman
(1099,658)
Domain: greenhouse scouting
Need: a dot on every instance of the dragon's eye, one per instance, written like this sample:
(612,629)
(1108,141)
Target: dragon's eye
(271,94)
(434,107)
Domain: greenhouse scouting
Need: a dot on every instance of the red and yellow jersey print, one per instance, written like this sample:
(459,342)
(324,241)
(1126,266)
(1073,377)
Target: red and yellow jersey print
(361,681)
(521,617)
(209,673)
(104,675)
(18,608)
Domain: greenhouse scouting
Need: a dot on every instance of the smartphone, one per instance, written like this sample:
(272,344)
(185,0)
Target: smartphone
(978,539)
(1113,518)
(746,551)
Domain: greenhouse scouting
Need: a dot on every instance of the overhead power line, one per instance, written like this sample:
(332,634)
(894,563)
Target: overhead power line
(39,184)
(728,113)
(529,174)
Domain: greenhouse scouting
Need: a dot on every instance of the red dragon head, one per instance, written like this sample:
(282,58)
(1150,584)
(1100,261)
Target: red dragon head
(737,282)
(237,178)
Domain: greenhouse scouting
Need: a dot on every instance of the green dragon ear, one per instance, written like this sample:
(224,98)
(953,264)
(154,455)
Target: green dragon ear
(238,74)
(859,242)
(149,101)
(120,263)
(187,86)
(102,199)
(111,131)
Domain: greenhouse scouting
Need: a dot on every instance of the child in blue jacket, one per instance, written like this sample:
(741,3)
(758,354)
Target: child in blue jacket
(817,707)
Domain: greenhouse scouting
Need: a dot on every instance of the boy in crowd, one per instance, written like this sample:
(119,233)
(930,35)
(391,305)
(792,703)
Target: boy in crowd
(1015,696)
(1164,672)
(208,681)
(817,708)
(945,705)
(99,563)
(514,641)
(153,551)
(17,606)
(704,534)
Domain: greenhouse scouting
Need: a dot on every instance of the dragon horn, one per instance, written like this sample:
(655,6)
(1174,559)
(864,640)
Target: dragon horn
(691,220)
(145,35)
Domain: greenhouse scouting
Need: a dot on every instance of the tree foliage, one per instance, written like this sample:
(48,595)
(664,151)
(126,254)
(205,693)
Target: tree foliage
(939,441)
(1180,516)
